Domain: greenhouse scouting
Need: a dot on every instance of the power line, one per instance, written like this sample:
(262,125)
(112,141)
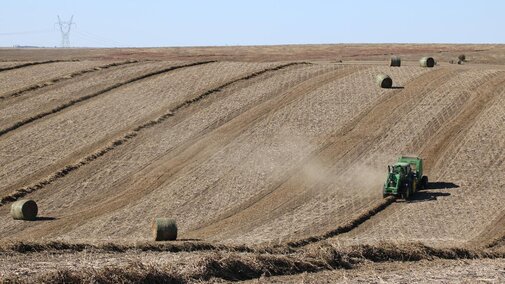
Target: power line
(65,27)
(25,32)
(96,38)
(65,31)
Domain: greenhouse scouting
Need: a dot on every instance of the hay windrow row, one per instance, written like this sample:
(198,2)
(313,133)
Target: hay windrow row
(64,78)
(19,193)
(115,247)
(98,93)
(351,225)
(232,266)
(496,243)
(34,63)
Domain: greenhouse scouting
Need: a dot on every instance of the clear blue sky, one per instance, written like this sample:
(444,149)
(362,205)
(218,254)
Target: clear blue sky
(147,23)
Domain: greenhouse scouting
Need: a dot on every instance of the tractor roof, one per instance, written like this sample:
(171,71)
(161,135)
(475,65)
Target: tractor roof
(401,164)
(409,158)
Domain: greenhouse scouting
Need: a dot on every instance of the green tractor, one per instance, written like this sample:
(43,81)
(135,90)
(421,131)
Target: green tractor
(405,177)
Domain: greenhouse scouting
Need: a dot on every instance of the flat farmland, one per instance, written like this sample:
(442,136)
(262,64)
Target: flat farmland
(271,165)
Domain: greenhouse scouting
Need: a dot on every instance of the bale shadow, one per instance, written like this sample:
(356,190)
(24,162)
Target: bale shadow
(397,87)
(45,219)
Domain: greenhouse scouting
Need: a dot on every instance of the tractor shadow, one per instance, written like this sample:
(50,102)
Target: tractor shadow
(431,193)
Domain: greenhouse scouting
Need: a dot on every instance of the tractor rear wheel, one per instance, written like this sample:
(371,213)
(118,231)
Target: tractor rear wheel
(424,181)
(406,192)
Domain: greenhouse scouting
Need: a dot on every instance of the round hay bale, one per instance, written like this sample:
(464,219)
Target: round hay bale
(24,210)
(427,62)
(396,61)
(164,229)
(384,81)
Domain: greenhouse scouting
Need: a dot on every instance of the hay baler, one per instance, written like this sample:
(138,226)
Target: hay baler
(405,177)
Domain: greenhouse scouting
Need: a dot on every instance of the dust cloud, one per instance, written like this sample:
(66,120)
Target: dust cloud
(323,175)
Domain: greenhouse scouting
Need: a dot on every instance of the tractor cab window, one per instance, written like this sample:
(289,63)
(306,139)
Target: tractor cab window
(398,170)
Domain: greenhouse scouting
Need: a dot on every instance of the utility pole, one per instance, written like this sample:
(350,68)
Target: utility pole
(65,31)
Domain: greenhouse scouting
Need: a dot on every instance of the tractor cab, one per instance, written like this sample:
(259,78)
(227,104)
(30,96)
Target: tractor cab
(416,164)
(400,168)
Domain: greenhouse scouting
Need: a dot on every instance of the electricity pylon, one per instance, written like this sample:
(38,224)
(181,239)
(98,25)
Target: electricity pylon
(65,31)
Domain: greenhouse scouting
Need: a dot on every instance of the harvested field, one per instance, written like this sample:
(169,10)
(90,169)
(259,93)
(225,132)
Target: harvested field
(476,53)
(272,166)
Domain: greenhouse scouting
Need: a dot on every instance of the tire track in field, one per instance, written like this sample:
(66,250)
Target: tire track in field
(34,63)
(64,78)
(445,138)
(135,131)
(196,148)
(177,162)
(344,146)
(438,142)
(492,236)
(451,135)
(98,144)
(96,94)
